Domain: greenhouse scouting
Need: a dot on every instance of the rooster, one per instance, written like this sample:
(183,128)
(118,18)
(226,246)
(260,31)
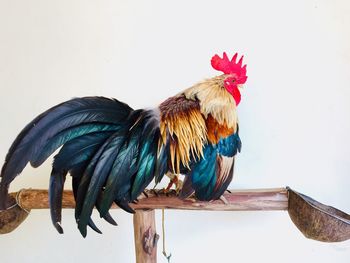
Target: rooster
(113,152)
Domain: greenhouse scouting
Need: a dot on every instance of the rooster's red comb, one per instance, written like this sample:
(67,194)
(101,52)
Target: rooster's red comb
(229,66)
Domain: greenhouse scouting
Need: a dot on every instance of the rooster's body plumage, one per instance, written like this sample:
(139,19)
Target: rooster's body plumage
(113,152)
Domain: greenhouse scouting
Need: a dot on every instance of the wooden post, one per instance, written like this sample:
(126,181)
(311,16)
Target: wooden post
(146,237)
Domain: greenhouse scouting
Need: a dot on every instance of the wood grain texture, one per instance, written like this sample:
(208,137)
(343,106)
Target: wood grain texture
(146,237)
(237,200)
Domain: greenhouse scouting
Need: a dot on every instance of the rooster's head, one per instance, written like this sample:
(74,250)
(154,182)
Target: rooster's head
(234,72)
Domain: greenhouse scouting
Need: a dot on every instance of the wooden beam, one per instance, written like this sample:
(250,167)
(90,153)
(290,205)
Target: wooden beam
(235,200)
(314,219)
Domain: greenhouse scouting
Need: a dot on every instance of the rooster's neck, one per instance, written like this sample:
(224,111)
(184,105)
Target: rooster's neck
(214,100)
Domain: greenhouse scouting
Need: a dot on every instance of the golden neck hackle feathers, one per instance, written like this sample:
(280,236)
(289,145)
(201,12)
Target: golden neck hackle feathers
(215,100)
(183,119)
(183,127)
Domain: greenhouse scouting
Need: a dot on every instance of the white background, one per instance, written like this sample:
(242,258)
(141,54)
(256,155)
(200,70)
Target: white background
(294,113)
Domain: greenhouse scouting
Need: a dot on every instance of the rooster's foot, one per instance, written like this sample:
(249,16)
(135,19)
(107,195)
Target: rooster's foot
(174,180)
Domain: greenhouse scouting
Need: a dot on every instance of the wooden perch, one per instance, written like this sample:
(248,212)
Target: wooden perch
(237,200)
(315,220)
(144,219)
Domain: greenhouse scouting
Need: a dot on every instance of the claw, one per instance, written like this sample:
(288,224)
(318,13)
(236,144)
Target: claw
(224,200)
(162,191)
(145,193)
(154,191)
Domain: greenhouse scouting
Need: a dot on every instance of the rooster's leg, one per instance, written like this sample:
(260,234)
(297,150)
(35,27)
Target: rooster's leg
(174,180)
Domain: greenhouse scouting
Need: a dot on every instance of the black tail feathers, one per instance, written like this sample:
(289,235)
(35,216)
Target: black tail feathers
(109,149)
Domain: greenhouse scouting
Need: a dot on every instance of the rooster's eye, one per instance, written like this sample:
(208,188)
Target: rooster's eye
(233,81)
